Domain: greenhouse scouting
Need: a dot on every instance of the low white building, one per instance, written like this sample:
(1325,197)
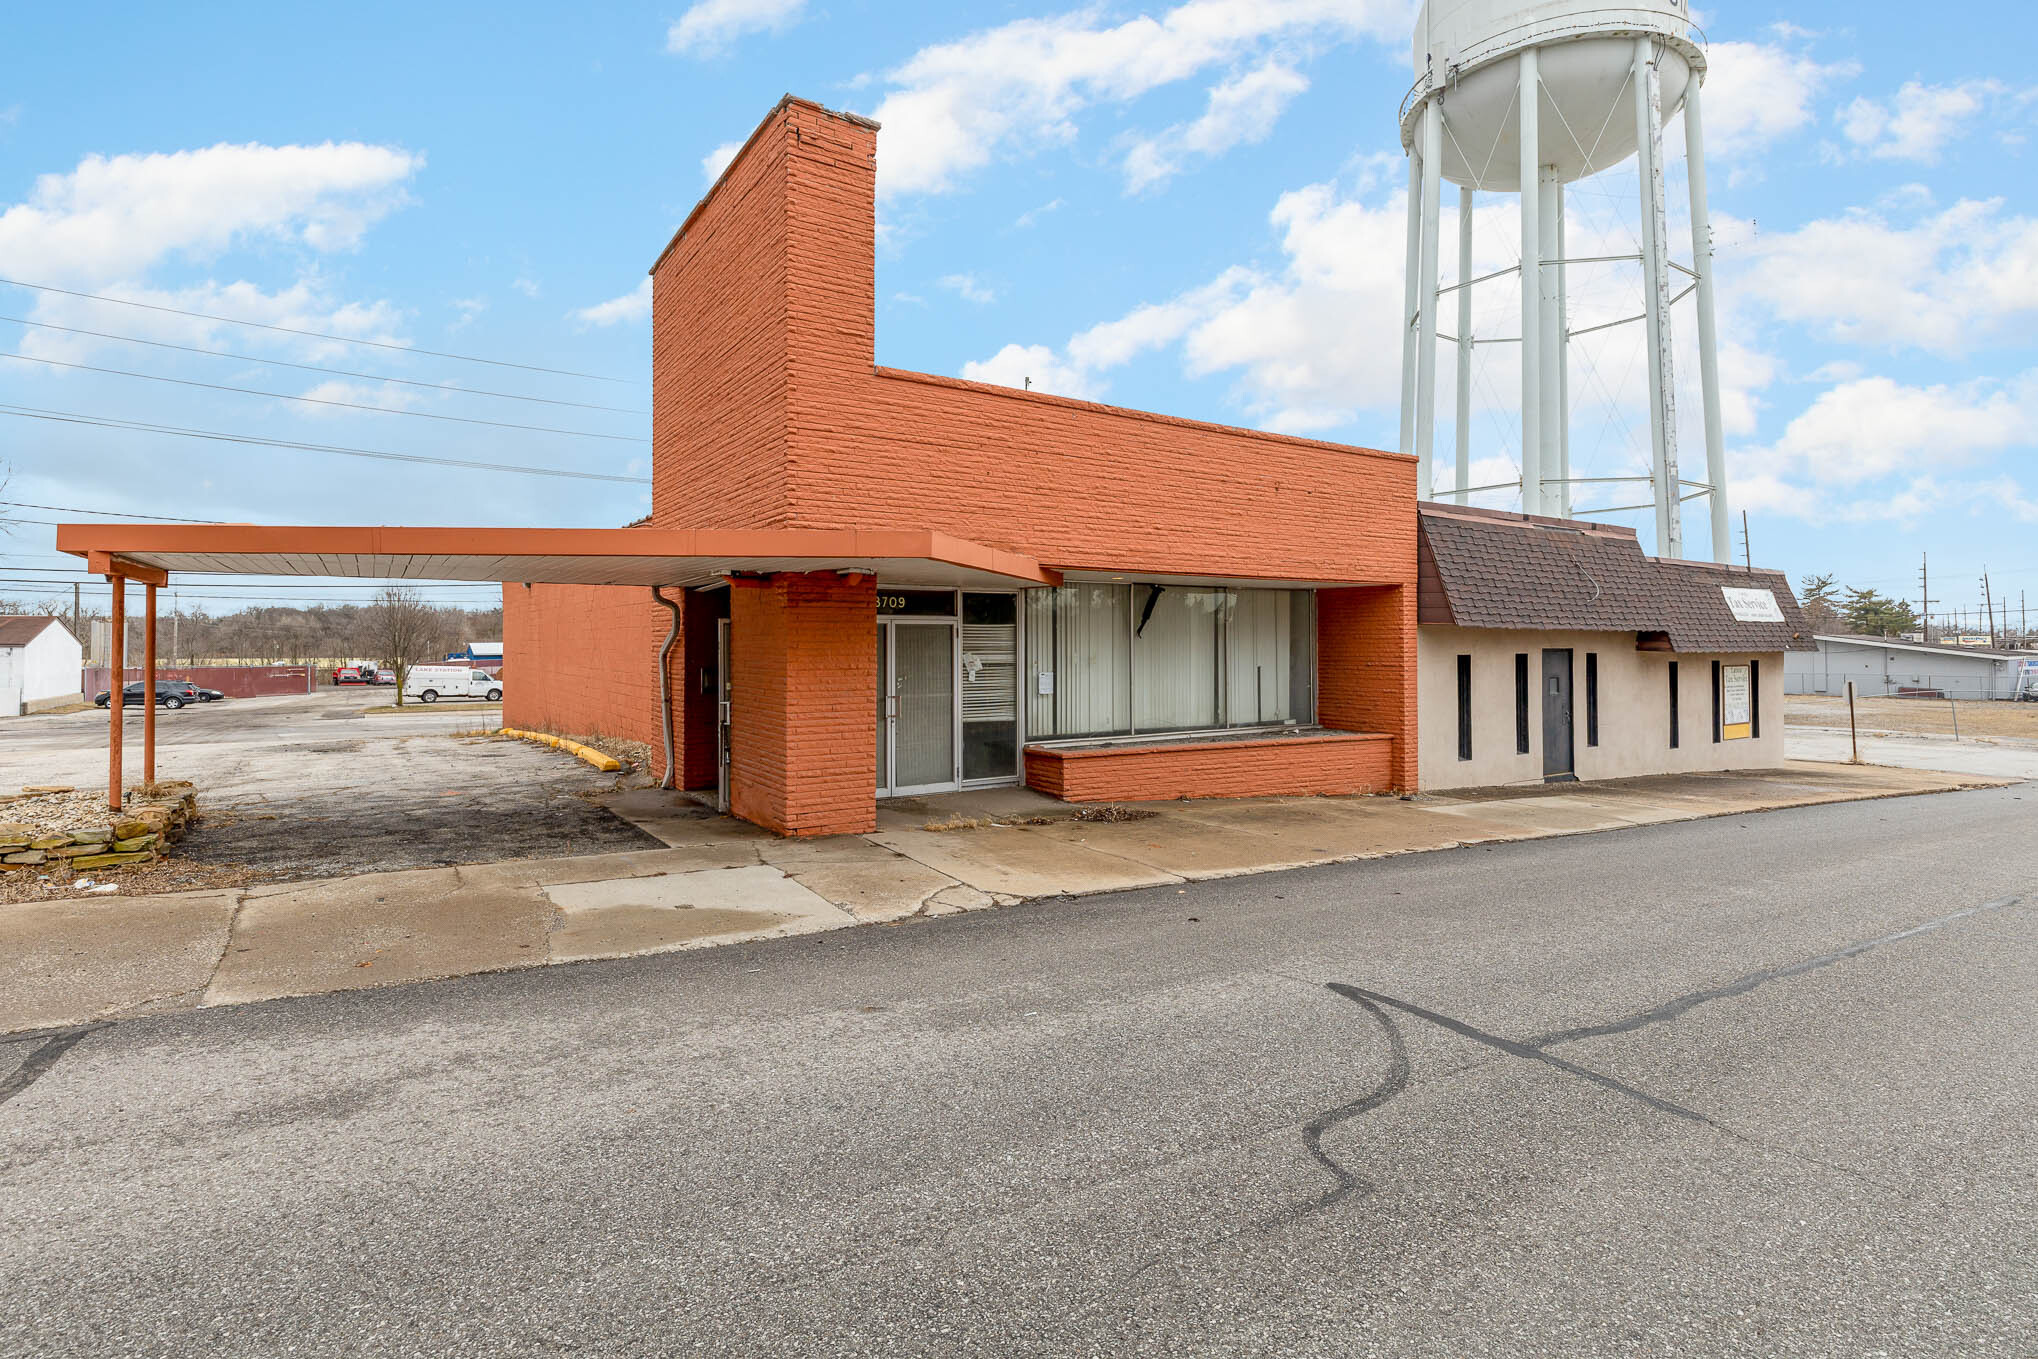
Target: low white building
(40,663)
(1551,650)
(1888,666)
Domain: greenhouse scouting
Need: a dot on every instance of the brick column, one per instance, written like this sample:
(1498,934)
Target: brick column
(803,696)
(1365,667)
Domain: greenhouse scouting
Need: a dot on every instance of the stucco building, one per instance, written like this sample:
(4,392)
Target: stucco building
(1555,649)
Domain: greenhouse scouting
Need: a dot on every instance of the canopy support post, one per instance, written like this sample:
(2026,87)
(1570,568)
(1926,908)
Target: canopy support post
(116,692)
(148,685)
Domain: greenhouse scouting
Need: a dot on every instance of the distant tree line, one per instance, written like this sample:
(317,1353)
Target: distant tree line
(1833,608)
(270,634)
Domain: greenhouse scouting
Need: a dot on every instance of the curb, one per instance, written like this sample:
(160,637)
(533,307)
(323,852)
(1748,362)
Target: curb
(608,764)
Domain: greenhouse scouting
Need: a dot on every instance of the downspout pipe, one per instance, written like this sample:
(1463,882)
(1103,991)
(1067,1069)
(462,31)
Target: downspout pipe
(665,690)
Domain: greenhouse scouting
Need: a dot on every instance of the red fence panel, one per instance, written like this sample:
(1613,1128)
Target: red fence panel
(235,681)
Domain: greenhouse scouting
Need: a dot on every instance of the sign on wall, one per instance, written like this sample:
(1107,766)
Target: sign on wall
(1751,605)
(1737,702)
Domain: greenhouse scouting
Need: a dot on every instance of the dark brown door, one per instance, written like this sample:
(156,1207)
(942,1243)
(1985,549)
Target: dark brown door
(1557,712)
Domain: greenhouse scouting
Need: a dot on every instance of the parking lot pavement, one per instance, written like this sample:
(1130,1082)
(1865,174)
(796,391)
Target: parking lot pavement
(310,786)
(2002,757)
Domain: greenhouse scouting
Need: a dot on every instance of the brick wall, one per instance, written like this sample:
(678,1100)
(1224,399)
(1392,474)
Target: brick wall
(1366,667)
(803,747)
(1071,483)
(718,356)
(1294,765)
(582,661)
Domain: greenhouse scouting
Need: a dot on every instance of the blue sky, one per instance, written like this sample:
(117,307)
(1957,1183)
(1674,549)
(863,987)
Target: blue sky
(1194,208)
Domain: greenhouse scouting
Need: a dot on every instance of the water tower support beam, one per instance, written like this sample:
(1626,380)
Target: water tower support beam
(1426,336)
(1551,457)
(1463,429)
(1708,352)
(1656,303)
(1562,331)
(1411,285)
(1528,104)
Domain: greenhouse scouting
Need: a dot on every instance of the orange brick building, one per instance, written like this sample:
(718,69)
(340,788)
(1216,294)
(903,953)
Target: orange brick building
(1112,604)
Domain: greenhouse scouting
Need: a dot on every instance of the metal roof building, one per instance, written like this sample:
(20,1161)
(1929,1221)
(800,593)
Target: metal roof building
(1890,666)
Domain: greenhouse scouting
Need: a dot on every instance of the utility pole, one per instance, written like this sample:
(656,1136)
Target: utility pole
(1747,548)
(1925,591)
(77,612)
(1988,606)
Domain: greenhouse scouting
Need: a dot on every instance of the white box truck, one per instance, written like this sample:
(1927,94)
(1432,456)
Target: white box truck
(430,683)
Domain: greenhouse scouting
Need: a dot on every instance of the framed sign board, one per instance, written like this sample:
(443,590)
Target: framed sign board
(1737,703)
(1751,606)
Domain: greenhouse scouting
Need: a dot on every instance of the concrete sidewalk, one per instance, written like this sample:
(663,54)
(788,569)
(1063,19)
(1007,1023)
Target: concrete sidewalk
(719,881)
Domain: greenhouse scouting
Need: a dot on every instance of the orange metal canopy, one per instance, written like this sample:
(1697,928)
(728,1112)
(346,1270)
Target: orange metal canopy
(560,556)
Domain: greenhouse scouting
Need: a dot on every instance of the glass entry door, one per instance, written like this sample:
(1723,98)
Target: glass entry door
(917,713)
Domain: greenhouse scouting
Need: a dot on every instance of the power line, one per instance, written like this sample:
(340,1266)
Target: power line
(322,368)
(323,401)
(115,422)
(116,514)
(318,335)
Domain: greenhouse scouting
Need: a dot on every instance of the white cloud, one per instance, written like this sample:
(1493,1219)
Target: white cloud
(468,308)
(115,217)
(1033,215)
(1945,281)
(1759,93)
(1241,111)
(633,305)
(718,160)
(968,288)
(954,107)
(1874,449)
(526,285)
(1033,365)
(1917,124)
(381,396)
(709,27)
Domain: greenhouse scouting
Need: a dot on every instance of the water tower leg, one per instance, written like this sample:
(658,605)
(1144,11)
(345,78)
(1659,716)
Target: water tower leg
(1555,493)
(1464,411)
(1561,356)
(1411,289)
(1426,333)
(1656,303)
(1528,105)
(1708,352)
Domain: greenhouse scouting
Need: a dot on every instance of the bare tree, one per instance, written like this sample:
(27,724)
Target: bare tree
(403,628)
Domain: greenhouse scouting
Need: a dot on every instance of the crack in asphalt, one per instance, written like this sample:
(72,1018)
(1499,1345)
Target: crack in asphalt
(1674,1009)
(1351,1182)
(37,1063)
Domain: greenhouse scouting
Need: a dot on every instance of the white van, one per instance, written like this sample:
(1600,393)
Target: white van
(430,683)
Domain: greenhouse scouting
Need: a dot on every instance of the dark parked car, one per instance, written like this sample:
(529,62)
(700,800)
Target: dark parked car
(210,696)
(169,694)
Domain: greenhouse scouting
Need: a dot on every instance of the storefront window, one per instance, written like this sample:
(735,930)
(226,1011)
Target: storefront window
(1108,660)
(990,686)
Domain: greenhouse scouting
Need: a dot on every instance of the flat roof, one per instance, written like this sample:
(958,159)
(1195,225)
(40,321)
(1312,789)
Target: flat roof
(552,556)
(1973,653)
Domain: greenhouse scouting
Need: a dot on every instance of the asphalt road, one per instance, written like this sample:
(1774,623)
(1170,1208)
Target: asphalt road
(1759,1085)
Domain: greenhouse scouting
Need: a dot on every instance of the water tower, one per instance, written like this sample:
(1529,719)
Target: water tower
(1514,98)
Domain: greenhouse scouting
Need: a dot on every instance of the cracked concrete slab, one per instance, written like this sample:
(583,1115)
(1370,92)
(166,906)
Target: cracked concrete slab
(874,889)
(1014,860)
(646,915)
(376,930)
(83,957)
(1173,843)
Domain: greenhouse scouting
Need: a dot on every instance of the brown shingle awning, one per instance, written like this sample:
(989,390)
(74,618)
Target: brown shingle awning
(1492,569)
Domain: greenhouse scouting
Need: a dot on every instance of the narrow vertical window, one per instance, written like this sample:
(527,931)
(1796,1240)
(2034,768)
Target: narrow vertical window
(1592,698)
(1673,705)
(1521,697)
(1754,697)
(1464,707)
(1717,734)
